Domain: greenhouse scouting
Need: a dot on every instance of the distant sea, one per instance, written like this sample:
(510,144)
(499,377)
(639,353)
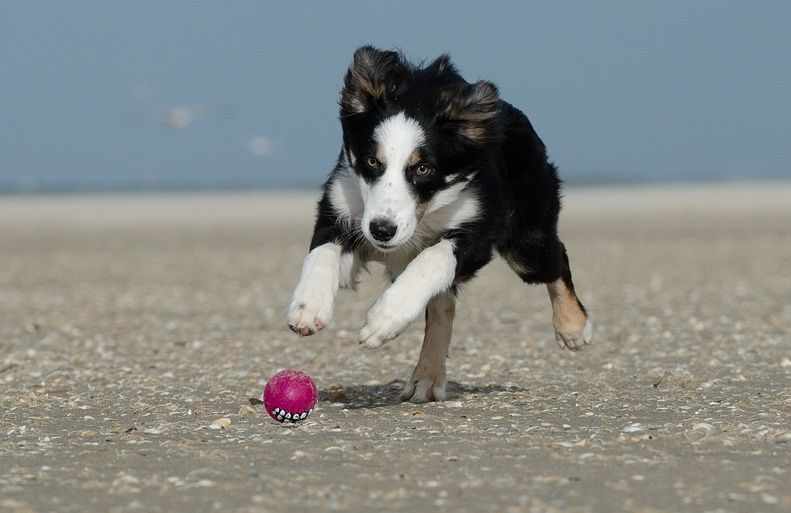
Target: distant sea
(145,186)
(25,186)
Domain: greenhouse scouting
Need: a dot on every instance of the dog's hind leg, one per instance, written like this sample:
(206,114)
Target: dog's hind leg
(548,263)
(573,327)
(429,380)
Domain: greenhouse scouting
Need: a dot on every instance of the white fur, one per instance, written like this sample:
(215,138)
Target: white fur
(389,196)
(445,197)
(346,196)
(365,192)
(464,208)
(312,305)
(432,271)
(350,195)
(418,274)
(449,209)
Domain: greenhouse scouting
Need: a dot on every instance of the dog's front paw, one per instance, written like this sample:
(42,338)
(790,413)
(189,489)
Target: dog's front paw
(384,323)
(310,311)
(574,338)
(425,386)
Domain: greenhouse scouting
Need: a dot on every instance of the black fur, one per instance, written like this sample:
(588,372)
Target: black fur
(470,132)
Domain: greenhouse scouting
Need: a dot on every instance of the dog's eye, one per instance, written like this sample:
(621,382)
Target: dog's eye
(423,169)
(373,163)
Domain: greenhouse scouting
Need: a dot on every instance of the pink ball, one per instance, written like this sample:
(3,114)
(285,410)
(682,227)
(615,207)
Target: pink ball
(290,396)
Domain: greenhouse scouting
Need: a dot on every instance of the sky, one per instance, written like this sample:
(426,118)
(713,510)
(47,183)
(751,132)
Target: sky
(150,94)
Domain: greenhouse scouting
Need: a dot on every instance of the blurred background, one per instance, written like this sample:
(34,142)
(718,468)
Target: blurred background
(173,95)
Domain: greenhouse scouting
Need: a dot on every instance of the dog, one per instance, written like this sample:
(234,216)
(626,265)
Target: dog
(435,175)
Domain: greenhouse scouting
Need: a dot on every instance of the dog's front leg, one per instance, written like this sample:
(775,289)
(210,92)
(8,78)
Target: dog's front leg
(312,304)
(431,272)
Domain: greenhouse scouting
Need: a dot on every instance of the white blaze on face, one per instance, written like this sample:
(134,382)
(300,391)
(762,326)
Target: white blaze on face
(389,196)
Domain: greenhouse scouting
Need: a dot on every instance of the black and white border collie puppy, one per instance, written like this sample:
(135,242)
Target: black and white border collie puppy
(435,174)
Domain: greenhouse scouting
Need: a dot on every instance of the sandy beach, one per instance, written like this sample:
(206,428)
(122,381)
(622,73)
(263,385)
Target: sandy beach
(130,323)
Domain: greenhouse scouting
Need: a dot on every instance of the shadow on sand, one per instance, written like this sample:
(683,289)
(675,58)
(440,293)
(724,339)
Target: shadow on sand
(388,394)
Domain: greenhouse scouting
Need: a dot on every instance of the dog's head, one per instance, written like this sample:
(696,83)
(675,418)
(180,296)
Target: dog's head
(414,136)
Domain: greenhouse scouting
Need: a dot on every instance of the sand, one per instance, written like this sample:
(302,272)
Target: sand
(130,324)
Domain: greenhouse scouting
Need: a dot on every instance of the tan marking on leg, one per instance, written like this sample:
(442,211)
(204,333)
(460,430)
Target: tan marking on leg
(571,323)
(429,379)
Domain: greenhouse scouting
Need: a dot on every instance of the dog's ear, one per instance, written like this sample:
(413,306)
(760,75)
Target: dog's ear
(471,110)
(442,65)
(372,76)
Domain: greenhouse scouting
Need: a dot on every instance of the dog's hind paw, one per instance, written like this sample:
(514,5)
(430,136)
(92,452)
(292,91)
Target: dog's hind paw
(424,388)
(575,340)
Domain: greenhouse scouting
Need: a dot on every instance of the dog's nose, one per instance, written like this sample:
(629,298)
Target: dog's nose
(382,229)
